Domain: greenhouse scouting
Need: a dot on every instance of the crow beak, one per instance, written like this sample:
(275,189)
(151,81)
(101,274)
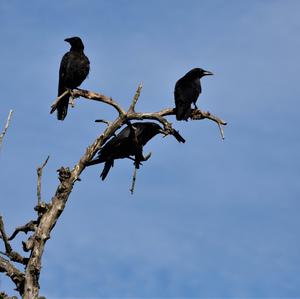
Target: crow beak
(67,40)
(207,73)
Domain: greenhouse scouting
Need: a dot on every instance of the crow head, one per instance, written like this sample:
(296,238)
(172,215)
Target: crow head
(75,42)
(199,73)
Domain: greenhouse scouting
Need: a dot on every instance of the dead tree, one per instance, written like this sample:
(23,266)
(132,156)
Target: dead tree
(27,281)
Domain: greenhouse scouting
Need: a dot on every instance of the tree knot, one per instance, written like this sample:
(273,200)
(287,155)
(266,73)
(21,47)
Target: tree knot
(64,174)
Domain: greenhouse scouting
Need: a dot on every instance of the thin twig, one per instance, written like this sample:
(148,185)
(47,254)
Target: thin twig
(147,157)
(8,248)
(138,149)
(196,113)
(39,184)
(133,179)
(221,131)
(6,126)
(135,98)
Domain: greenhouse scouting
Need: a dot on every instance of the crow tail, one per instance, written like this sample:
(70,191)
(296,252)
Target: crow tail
(62,107)
(183,112)
(107,166)
(178,136)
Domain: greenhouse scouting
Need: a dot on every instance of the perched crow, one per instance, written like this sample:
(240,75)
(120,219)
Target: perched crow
(187,91)
(125,145)
(74,68)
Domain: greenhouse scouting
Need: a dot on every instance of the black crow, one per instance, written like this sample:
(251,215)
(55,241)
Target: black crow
(129,142)
(74,68)
(187,91)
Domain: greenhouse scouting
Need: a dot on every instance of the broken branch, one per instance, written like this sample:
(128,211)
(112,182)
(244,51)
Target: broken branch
(39,184)
(30,226)
(8,248)
(135,98)
(5,127)
(133,179)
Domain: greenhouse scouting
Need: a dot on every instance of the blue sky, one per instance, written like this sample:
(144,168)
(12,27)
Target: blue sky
(209,219)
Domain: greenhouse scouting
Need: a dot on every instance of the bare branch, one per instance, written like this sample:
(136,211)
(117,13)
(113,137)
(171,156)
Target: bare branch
(30,226)
(198,114)
(138,149)
(97,97)
(221,131)
(8,248)
(13,255)
(13,273)
(135,98)
(147,157)
(159,116)
(5,127)
(39,184)
(133,180)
